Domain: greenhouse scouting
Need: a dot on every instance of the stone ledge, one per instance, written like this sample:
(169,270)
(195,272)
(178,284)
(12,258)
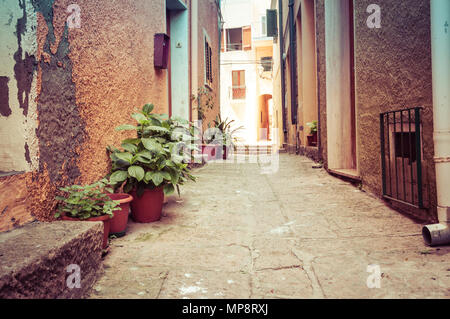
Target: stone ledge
(34,259)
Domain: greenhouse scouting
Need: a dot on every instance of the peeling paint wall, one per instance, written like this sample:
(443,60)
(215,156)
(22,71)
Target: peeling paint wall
(64,90)
(18,145)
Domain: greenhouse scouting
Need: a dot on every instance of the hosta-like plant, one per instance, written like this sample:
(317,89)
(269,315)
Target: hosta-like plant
(84,202)
(157,157)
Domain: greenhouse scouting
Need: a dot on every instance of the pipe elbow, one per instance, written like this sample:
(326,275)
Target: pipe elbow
(436,234)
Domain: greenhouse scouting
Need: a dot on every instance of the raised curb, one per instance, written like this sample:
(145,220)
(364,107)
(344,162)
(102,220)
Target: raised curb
(34,259)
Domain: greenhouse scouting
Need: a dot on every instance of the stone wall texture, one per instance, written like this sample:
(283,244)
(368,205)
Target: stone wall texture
(79,84)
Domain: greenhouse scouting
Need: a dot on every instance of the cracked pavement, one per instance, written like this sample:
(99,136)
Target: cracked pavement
(298,233)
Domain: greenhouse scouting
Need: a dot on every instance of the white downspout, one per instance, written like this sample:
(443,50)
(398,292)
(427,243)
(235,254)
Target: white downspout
(439,234)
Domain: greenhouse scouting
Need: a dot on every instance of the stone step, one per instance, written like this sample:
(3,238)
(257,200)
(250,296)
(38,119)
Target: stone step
(37,259)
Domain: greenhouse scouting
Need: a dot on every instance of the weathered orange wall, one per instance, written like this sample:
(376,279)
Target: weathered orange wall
(89,80)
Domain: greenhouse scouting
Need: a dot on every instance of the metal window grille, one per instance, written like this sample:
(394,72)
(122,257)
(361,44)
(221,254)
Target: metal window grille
(401,156)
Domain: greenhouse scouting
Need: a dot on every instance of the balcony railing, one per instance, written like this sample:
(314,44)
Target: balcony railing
(238,92)
(234,47)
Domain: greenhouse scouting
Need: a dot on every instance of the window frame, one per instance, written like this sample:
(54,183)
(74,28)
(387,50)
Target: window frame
(236,90)
(207,60)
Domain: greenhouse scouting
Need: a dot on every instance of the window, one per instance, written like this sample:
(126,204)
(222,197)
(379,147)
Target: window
(263,26)
(266,63)
(239,39)
(405,145)
(234,39)
(239,88)
(208,64)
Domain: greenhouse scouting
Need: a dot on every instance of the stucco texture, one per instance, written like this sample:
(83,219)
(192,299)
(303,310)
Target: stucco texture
(322,83)
(393,72)
(89,80)
(207,21)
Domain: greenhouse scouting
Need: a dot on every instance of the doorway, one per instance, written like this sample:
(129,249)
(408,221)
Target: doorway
(263,120)
(178,30)
(341,112)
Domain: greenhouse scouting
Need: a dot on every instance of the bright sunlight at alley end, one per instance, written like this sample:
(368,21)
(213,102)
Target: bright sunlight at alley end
(224,149)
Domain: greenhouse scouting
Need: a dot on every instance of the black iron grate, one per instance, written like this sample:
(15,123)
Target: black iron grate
(401,156)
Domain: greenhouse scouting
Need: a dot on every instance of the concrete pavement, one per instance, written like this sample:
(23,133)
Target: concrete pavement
(298,233)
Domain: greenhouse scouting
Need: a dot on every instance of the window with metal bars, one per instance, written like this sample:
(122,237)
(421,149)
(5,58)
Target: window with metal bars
(208,64)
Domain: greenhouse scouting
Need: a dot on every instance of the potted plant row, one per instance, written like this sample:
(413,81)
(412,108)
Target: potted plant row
(153,163)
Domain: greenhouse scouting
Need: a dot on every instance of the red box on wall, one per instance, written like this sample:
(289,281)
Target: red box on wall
(162,45)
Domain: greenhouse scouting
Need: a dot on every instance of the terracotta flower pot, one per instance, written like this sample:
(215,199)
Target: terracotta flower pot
(226,152)
(120,220)
(148,207)
(106,225)
(312,139)
(212,151)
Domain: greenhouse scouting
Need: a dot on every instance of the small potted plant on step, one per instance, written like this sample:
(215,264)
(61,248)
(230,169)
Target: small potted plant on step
(119,222)
(153,163)
(88,203)
(312,137)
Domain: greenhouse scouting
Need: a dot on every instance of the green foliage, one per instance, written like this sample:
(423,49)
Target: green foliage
(84,202)
(157,157)
(312,127)
(204,102)
(227,133)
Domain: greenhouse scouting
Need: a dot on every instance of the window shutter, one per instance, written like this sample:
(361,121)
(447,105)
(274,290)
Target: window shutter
(272,25)
(222,45)
(208,63)
(247,38)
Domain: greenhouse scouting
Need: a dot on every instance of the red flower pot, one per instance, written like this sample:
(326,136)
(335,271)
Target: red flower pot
(148,207)
(106,224)
(120,220)
(226,152)
(312,139)
(212,151)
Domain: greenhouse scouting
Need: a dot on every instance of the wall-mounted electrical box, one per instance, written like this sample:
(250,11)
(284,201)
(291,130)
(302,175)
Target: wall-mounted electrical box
(162,46)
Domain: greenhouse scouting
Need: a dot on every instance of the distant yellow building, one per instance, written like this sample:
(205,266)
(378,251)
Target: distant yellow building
(246,69)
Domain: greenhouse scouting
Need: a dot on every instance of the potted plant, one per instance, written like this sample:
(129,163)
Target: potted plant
(312,137)
(226,138)
(88,203)
(204,103)
(153,163)
(118,224)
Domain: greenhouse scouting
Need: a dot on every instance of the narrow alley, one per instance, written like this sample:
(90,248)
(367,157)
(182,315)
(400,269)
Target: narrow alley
(309,139)
(298,233)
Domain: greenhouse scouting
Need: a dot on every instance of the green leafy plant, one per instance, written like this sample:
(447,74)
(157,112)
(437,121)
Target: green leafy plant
(203,102)
(157,157)
(84,202)
(227,133)
(312,127)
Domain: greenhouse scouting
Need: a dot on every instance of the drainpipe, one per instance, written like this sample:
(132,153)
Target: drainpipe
(439,234)
(282,67)
(293,63)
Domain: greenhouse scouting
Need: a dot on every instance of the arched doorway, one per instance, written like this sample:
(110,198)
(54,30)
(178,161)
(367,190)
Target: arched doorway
(263,118)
